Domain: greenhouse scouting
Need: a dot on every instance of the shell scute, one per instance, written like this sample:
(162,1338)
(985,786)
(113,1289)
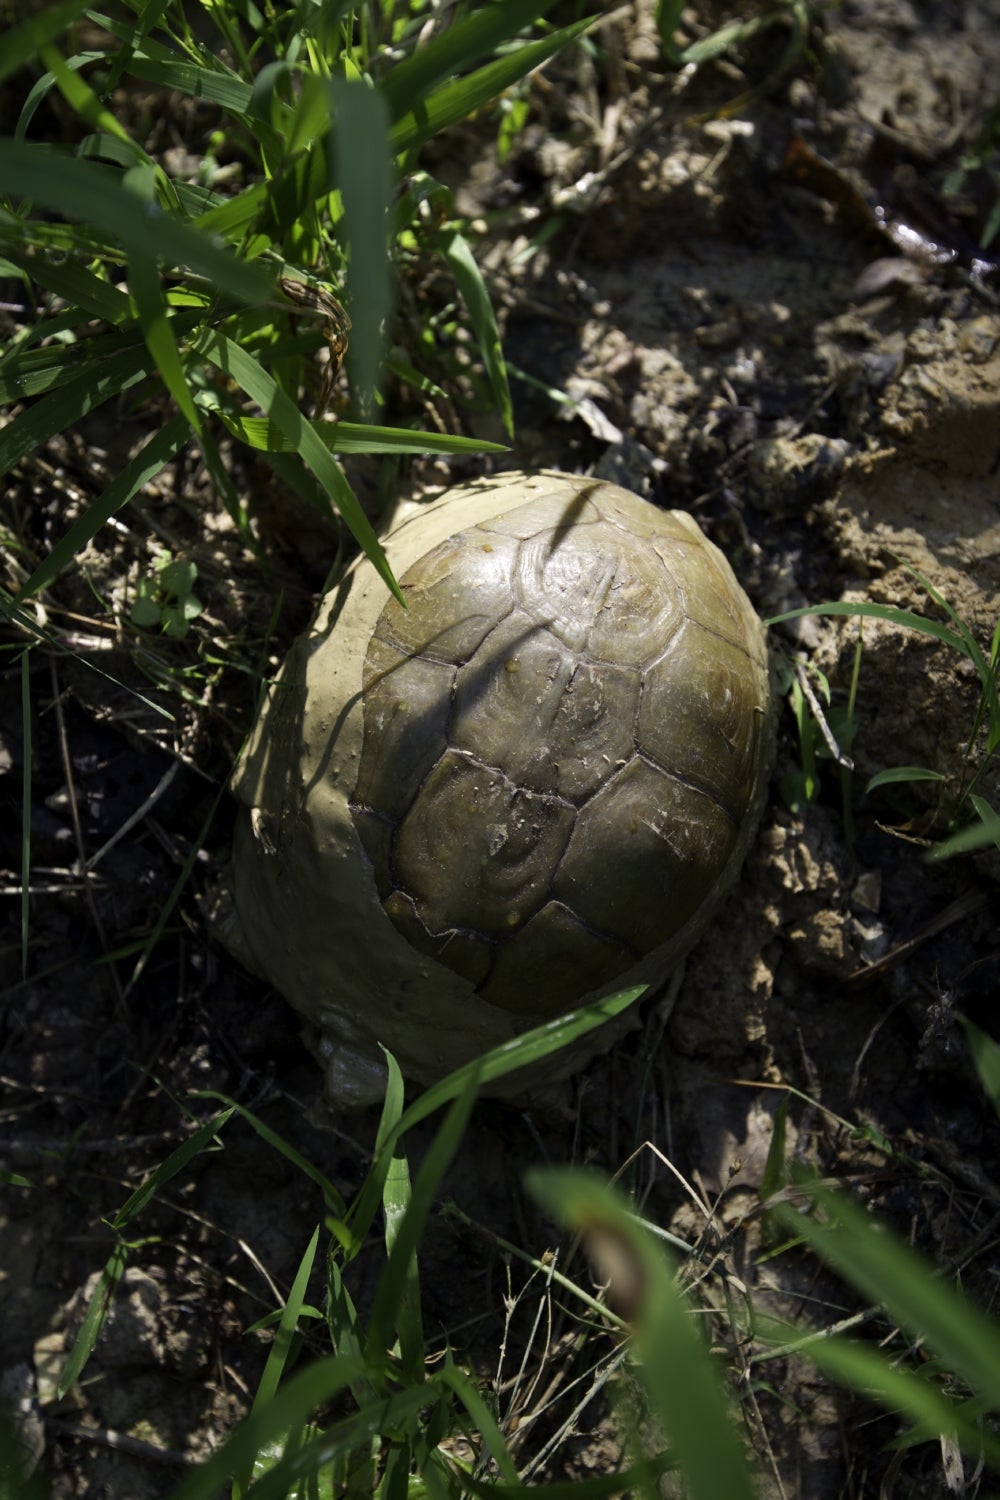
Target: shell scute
(406,703)
(536,973)
(699,718)
(663,840)
(455,595)
(477,851)
(599,592)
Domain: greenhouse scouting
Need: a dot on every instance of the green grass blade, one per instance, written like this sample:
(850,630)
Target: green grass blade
(355,437)
(231,218)
(91,294)
(386,1415)
(281,1349)
(902,617)
(977,836)
(634,1480)
(886,1271)
(907,1393)
(482,1418)
(144,282)
(155,63)
(398,1283)
(468,40)
(26,806)
(986,1056)
(458,100)
(259,386)
(23,44)
(167,1170)
(280,1352)
(396,1464)
(346,1336)
(383,1158)
(64,407)
(896,774)
(363,173)
(397,1197)
(153,456)
(94,1318)
(332,1199)
(95,195)
(970,648)
(81,98)
(532,1047)
(668,18)
(289,1410)
(469,279)
(673,1363)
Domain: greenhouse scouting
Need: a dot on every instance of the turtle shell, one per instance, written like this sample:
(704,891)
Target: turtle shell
(522,791)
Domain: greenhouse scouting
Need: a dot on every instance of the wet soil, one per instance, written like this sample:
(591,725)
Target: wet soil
(729,335)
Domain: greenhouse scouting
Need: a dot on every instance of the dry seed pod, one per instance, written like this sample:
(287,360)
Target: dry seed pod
(525,791)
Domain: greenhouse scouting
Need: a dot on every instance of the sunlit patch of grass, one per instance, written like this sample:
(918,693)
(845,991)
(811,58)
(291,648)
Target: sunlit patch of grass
(158,276)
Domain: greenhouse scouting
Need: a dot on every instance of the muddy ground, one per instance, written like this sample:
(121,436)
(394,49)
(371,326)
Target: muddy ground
(740,336)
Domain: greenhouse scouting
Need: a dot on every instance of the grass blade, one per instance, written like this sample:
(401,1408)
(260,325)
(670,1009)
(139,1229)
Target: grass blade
(332,1200)
(482,1418)
(672,1361)
(354,437)
(81,98)
(93,1322)
(976,836)
(397,1197)
(290,1408)
(895,774)
(144,283)
(387,1414)
(167,1170)
(64,406)
(461,98)
(94,195)
(280,1351)
(465,42)
(26,806)
(346,1335)
(902,617)
(986,1056)
(888,1272)
(80,288)
(259,386)
(533,1046)
(151,458)
(363,171)
(23,44)
(455,249)
(398,1282)
(907,1393)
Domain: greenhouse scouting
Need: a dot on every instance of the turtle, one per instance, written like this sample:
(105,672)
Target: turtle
(527,789)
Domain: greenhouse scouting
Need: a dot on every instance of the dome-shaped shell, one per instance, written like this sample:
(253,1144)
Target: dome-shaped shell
(520,792)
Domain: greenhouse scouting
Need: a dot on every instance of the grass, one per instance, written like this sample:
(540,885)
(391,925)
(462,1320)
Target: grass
(817,740)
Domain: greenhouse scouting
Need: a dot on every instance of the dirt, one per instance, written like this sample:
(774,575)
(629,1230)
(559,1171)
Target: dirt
(731,342)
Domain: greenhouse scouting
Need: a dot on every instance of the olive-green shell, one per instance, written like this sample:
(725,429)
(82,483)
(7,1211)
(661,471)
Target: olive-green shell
(522,791)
